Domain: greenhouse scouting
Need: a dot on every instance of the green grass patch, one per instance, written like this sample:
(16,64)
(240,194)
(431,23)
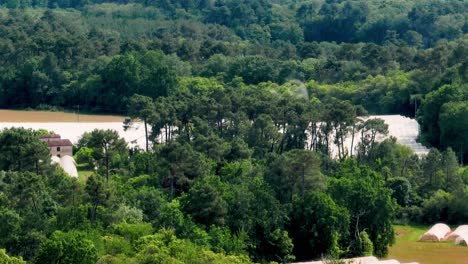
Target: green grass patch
(84,171)
(408,249)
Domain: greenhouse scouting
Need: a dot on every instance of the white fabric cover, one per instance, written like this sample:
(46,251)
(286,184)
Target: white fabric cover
(463,229)
(68,164)
(55,159)
(390,261)
(436,233)
(362,260)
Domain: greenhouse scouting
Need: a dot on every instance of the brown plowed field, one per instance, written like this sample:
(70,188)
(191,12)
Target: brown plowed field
(44,116)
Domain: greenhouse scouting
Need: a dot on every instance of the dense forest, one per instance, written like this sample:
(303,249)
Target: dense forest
(243,102)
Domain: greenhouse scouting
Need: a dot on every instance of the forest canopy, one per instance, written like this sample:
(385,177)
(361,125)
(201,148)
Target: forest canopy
(242,102)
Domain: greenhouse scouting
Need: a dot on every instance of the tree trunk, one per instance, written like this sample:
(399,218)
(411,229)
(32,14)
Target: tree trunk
(146,134)
(303,183)
(107,167)
(352,141)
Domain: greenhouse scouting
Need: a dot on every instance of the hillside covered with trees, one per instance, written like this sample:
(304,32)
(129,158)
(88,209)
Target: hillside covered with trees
(249,97)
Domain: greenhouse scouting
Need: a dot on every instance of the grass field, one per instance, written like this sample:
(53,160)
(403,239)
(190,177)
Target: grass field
(407,249)
(84,172)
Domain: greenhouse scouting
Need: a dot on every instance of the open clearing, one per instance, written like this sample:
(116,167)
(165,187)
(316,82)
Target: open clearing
(45,116)
(407,248)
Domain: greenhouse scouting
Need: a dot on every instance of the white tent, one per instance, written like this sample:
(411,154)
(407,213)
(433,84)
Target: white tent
(67,163)
(390,261)
(463,229)
(362,260)
(436,233)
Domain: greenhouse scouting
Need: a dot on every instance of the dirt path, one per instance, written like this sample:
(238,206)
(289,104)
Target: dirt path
(44,117)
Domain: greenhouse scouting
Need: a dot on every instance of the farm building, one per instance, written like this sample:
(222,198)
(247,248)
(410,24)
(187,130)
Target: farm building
(61,151)
(436,233)
(57,146)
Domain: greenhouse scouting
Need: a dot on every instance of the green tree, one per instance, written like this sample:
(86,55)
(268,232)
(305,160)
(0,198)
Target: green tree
(355,184)
(341,116)
(22,150)
(205,202)
(143,108)
(294,173)
(120,78)
(180,165)
(430,110)
(107,146)
(370,129)
(317,226)
(4,258)
(453,123)
(85,155)
(98,194)
(71,247)
(157,78)
(401,188)
(431,180)
(450,169)
(11,228)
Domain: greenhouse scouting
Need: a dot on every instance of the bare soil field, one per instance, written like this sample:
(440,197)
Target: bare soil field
(45,116)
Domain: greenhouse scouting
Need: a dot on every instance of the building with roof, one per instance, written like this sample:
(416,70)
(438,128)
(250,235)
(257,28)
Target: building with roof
(61,151)
(58,147)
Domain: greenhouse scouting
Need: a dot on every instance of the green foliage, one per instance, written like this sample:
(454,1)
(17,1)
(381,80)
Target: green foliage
(165,247)
(365,246)
(453,123)
(433,106)
(132,232)
(4,258)
(22,150)
(354,184)
(225,242)
(71,247)
(295,173)
(317,226)
(205,202)
(242,103)
(85,155)
(401,188)
(108,149)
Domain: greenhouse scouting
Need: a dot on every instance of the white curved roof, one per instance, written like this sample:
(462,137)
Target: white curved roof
(55,159)
(463,229)
(404,129)
(68,164)
(390,261)
(361,260)
(436,233)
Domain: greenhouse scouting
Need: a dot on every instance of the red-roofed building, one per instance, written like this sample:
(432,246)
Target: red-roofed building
(57,146)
